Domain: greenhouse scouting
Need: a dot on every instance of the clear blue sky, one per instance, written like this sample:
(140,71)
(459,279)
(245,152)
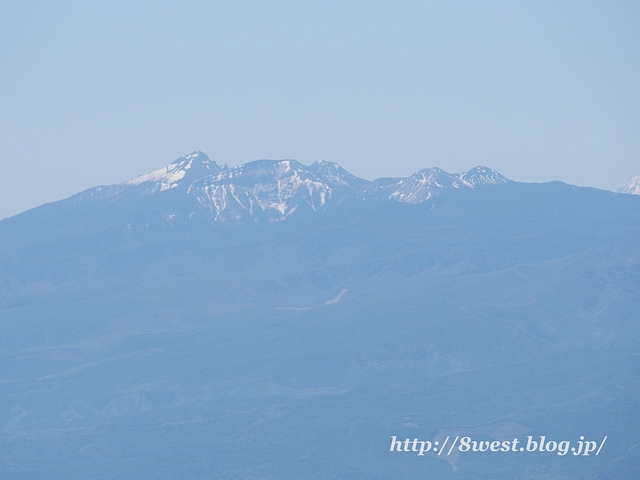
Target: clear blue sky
(98,92)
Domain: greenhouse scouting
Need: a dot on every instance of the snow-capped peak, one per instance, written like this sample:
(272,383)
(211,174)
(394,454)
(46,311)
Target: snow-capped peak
(195,165)
(428,183)
(265,189)
(632,186)
(482,176)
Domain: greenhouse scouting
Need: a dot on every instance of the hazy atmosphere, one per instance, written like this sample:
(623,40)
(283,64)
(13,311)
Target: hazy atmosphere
(226,252)
(98,92)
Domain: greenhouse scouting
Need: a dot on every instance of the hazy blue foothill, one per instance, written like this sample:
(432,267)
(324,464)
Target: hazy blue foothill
(276,320)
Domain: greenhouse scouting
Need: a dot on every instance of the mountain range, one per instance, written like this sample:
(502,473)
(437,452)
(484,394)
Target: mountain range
(275,320)
(272,190)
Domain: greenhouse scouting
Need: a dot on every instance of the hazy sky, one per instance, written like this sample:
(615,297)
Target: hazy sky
(98,92)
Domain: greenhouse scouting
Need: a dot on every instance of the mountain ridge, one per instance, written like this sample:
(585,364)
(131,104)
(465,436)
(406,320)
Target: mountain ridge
(273,190)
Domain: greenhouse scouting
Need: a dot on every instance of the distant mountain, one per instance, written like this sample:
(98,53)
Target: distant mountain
(428,183)
(632,186)
(273,190)
(275,320)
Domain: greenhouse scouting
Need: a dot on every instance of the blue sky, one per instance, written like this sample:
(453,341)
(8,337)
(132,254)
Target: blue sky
(98,92)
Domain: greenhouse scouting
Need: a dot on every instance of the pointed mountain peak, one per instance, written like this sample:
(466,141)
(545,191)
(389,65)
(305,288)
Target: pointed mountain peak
(197,155)
(196,161)
(190,167)
(632,186)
